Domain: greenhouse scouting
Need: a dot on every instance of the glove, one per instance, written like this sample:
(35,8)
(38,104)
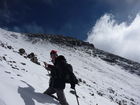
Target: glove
(72,86)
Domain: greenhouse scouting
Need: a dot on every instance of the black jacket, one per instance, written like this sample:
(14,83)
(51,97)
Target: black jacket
(56,80)
(59,71)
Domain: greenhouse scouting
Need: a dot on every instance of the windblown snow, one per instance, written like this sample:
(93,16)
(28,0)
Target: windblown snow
(22,82)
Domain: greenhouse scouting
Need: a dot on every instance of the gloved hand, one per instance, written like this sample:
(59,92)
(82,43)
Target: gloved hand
(72,86)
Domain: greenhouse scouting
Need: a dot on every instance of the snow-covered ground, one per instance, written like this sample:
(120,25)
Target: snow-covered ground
(22,82)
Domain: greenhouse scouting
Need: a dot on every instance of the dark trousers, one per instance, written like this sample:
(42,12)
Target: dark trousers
(60,94)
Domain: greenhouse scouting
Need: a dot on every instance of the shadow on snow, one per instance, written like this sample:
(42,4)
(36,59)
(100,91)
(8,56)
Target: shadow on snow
(29,95)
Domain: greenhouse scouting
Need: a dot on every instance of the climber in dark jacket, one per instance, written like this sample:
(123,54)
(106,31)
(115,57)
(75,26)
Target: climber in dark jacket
(57,83)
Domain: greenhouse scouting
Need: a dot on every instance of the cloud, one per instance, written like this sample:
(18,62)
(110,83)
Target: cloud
(121,39)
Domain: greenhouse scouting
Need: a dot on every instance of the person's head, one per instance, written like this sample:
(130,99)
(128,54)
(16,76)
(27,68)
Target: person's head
(53,54)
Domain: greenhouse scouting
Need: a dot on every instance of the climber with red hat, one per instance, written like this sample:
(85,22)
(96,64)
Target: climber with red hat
(53,55)
(56,83)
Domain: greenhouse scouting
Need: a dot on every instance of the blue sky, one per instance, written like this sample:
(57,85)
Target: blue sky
(65,17)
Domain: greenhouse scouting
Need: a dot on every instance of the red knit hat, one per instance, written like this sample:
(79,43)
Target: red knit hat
(53,52)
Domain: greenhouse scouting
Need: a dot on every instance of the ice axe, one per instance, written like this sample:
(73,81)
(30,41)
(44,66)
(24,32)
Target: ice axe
(76,96)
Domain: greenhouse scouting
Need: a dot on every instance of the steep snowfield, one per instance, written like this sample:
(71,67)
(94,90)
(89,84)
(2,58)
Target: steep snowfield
(22,82)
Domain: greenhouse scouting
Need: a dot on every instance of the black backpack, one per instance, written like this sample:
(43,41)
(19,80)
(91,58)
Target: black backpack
(65,70)
(69,75)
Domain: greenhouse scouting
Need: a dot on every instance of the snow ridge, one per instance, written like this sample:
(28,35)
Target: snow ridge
(23,82)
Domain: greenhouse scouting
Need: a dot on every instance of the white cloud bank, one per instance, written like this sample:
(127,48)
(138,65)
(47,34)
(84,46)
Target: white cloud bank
(121,39)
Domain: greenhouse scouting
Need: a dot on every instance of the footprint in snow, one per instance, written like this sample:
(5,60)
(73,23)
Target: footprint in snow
(7,72)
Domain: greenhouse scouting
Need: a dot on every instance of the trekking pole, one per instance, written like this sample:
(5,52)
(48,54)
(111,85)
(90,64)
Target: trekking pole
(76,96)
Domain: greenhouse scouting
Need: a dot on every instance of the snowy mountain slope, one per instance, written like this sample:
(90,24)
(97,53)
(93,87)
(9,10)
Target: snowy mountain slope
(131,66)
(23,82)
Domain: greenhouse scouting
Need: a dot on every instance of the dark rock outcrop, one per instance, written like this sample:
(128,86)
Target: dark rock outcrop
(60,39)
(21,51)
